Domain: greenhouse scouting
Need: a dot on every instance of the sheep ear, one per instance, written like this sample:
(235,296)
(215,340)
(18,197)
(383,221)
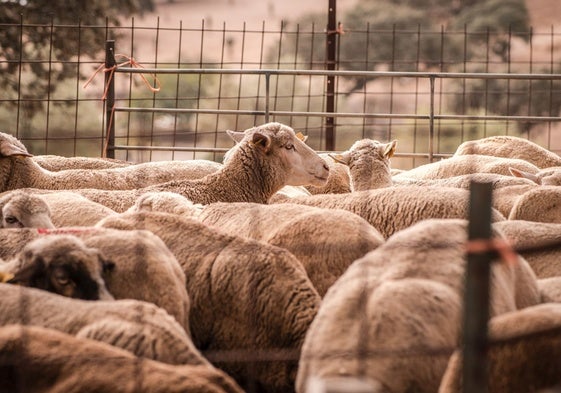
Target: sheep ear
(237,136)
(33,274)
(343,158)
(302,137)
(261,140)
(390,149)
(6,277)
(526,175)
(9,149)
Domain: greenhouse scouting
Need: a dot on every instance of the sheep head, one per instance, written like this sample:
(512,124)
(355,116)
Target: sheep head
(63,264)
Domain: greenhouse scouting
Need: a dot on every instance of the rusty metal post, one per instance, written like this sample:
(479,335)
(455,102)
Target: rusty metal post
(476,296)
(331,62)
(109,100)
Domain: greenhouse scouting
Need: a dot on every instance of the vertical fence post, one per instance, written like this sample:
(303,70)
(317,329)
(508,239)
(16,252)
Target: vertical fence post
(267,95)
(476,296)
(109,100)
(331,61)
(431,119)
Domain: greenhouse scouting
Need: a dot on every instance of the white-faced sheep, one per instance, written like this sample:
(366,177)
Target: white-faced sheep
(395,316)
(338,180)
(144,268)
(523,352)
(466,164)
(391,209)
(540,204)
(36,359)
(267,158)
(510,147)
(246,296)
(369,163)
(62,264)
(538,242)
(55,163)
(326,241)
(19,209)
(139,327)
(19,170)
(69,209)
(506,189)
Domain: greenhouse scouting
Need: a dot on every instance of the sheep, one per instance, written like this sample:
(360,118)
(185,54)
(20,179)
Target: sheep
(550,176)
(325,241)
(19,209)
(523,352)
(391,209)
(338,180)
(540,204)
(267,158)
(246,296)
(55,163)
(506,189)
(19,170)
(369,163)
(36,359)
(139,327)
(62,264)
(166,202)
(510,147)
(69,209)
(395,315)
(465,164)
(539,243)
(144,268)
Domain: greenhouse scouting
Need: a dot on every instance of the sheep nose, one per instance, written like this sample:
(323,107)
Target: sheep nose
(326,167)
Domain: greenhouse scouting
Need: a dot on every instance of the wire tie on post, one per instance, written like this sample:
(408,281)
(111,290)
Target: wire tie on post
(500,246)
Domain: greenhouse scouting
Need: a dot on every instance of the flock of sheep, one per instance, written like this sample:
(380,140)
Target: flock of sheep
(278,270)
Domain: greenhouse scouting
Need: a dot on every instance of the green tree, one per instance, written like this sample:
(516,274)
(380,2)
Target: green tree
(40,41)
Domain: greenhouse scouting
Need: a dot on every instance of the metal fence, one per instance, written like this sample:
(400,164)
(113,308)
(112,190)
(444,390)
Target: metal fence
(211,79)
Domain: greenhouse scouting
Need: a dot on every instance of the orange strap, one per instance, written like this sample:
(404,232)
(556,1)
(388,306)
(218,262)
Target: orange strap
(501,246)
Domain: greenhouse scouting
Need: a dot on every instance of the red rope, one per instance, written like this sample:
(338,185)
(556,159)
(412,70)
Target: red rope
(501,246)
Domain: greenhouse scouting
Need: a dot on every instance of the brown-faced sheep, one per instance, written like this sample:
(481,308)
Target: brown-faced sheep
(524,353)
(62,264)
(19,209)
(19,170)
(267,158)
(35,359)
(510,147)
(144,268)
(139,327)
(395,315)
(391,209)
(325,241)
(247,297)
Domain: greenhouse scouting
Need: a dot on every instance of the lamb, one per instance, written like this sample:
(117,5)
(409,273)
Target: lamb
(19,170)
(19,209)
(144,268)
(395,315)
(59,362)
(55,163)
(510,147)
(139,327)
(524,352)
(538,242)
(540,204)
(391,209)
(62,264)
(369,164)
(325,241)
(246,296)
(465,164)
(267,158)
(506,189)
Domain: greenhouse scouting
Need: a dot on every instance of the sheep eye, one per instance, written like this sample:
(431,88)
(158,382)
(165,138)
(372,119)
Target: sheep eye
(289,146)
(61,277)
(11,219)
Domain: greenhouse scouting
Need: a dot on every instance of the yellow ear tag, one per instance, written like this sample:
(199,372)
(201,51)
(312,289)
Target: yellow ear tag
(5,277)
(301,136)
